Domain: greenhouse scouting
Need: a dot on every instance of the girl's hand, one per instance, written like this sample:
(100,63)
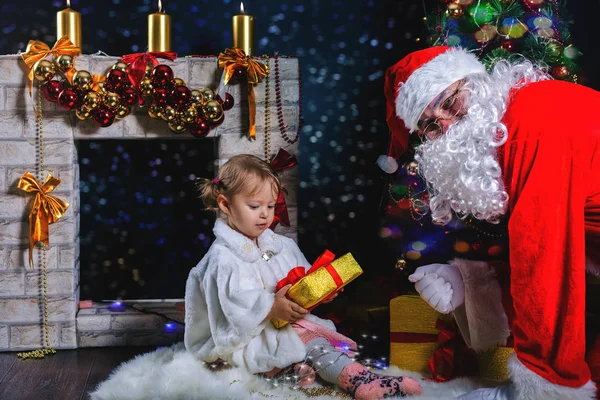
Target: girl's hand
(286,309)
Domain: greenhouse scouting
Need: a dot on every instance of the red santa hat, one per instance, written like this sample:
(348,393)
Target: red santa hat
(412,83)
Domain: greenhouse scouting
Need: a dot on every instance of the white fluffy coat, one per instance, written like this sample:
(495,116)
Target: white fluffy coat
(229,294)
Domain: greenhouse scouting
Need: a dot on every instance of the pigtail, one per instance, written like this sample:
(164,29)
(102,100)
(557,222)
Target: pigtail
(208,190)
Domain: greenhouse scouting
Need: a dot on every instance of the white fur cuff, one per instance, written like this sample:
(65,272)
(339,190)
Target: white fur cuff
(482,321)
(429,80)
(531,386)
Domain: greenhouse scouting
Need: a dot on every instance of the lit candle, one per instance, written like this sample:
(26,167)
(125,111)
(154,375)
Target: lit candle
(68,23)
(159,30)
(243,31)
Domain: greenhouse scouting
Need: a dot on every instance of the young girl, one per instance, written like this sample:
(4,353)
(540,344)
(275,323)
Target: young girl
(230,295)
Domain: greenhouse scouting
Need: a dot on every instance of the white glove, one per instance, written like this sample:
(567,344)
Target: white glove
(440,285)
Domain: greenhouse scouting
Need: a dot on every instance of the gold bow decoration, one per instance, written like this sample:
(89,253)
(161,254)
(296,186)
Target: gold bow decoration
(37,50)
(46,209)
(234,59)
(96,79)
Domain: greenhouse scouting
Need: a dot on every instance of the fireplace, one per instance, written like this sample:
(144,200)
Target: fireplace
(20,298)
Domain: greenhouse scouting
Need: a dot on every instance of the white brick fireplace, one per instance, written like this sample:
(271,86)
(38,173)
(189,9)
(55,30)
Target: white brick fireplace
(20,297)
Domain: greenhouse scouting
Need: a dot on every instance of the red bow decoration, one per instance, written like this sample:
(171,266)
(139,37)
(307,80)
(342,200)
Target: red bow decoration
(282,160)
(139,61)
(452,358)
(297,273)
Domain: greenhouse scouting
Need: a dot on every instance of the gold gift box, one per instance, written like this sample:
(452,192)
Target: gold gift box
(410,314)
(413,321)
(317,285)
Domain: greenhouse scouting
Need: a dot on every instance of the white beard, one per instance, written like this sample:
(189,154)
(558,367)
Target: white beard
(461,167)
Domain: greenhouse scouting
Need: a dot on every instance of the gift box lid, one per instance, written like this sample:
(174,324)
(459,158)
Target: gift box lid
(410,313)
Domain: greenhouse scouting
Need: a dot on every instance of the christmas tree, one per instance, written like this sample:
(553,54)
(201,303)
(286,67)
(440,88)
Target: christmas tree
(493,30)
(502,29)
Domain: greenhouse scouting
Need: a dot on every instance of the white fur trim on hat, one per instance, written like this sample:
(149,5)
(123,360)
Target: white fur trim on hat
(387,164)
(429,80)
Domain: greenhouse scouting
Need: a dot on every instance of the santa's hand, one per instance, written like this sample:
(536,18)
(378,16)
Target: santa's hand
(440,285)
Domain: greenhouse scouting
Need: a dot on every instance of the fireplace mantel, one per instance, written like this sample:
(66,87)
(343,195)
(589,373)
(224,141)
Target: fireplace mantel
(20,298)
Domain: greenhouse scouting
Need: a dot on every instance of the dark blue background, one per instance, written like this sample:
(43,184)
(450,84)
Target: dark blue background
(344,48)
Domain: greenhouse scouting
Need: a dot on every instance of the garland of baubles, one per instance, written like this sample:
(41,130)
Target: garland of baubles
(104,98)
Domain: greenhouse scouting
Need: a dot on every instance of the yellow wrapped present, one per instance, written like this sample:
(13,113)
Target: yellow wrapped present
(324,278)
(428,342)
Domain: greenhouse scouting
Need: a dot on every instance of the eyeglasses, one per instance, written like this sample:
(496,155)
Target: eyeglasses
(431,127)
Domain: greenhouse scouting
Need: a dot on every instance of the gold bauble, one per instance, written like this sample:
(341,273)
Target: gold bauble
(168,114)
(400,264)
(146,87)
(64,62)
(208,94)
(83,114)
(83,80)
(155,111)
(179,82)
(197,97)
(213,110)
(177,126)
(91,100)
(189,115)
(454,10)
(120,65)
(412,168)
(44,70)
(101,88)
(112,100)
(122,112)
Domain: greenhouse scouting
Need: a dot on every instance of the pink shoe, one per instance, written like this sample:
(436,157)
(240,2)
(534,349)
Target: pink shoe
(363,384)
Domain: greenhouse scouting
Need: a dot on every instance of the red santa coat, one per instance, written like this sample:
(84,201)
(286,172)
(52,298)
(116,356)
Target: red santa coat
(551,170)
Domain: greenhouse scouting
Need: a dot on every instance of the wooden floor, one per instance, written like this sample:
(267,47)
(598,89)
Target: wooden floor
(67,375)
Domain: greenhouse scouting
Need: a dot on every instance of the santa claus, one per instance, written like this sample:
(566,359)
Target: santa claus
(509,142)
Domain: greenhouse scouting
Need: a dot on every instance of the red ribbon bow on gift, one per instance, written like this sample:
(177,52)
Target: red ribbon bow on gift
(452,358)
(282,160)
(138,62)
(297,273)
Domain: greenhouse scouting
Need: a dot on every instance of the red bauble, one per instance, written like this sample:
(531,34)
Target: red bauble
(200,128)
(104,116)
(159,96)
(508,45)
(52,89)
(117,79)
(70,99)
(228,103)
(128,96)
(161,74)
(534,3)
(180,97)
(560,71)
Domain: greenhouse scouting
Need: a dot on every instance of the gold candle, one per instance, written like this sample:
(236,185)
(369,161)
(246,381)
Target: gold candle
(243,31)
(159,30)
(68,23)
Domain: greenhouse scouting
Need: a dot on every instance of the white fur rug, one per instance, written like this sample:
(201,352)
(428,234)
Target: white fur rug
(173,374)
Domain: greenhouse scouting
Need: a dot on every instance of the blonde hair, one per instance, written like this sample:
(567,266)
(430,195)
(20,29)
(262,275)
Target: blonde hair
(235,176)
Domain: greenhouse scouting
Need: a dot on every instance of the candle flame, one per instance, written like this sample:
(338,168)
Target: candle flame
(68,3)
(242,7)
(160,9)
